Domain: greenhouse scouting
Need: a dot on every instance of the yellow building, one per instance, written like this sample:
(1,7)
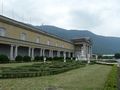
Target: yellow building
(18,38)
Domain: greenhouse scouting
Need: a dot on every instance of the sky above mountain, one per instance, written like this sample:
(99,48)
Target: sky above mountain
(99,16)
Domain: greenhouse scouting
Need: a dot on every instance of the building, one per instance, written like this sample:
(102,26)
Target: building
(17,38)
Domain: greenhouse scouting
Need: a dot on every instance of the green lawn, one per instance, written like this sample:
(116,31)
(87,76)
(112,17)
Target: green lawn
(91,77)
(17,64)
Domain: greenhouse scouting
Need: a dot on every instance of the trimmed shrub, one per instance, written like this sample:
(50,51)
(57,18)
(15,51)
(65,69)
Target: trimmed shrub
(73,58)
(49,58)
(92,62)
(38,58)
(58,59)
(68,58)
(4,59)
(39,69)
(26,58)
(19,58)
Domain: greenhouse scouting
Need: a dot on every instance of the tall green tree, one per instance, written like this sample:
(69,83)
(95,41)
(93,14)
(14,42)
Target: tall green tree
(117,55)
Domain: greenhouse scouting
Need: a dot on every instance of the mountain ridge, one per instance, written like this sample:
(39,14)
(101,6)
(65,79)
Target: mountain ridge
(101,44)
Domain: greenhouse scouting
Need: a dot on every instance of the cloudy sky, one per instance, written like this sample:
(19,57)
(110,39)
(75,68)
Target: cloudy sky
(98,16)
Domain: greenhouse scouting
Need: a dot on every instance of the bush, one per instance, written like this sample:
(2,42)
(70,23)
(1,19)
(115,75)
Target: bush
(39,69)
(26,58)
(4,59)
(49,58)
(38,58)
(58,58)
(19,59)
(68,58)
(92,62)
(117,55)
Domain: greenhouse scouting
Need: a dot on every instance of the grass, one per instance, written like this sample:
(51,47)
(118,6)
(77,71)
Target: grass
(39,69)
(13,65)
(17,64)
(91,77)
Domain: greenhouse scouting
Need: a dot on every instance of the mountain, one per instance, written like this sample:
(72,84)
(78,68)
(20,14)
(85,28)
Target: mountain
(101,44)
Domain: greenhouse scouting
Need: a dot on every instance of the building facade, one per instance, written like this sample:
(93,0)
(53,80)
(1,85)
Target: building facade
(17,38)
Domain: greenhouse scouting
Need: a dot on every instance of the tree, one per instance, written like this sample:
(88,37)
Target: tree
(117,55)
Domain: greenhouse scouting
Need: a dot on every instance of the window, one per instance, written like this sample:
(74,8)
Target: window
(37,40)
(62,46)
(2,32)
(56,45)
(23,36)
(48,42)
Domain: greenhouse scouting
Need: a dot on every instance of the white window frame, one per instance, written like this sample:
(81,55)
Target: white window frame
(56,44)
(48,42)
(62,46)
(2,31)
(23,36)
(37,40)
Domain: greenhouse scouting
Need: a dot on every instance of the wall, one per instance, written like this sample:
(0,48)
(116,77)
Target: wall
(13,31)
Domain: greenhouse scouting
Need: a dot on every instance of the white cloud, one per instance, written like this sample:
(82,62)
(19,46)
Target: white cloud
(98,16)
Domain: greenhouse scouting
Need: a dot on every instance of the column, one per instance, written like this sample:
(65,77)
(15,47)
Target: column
(29,51)
(51,53)
(64,54)
(32,53)
(84,51)
(11,52)
(58,53)
(16,51)
(73,54)
(91,51)
(41,52)
(69,54)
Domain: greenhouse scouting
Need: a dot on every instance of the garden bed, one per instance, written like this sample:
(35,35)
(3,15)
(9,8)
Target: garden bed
(40,69)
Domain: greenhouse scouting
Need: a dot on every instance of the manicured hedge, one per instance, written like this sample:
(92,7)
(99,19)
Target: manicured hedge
(111,83)
(19,58)
(26,58)
(58,58)
(41,69)
(38,58)
(4,59)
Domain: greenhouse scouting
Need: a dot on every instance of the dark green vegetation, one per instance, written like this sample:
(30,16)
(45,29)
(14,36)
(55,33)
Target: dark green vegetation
(106,57)
(91,77)
(111,82)
(18,59)
(118,78)
(101,44)
(117,55)
(4,59)
(40,69)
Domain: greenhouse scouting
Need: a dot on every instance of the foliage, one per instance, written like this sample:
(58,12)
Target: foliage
(4,59)
(19,58)
(117,55)
(49,58)
(41,69)
(26,58)
(38,58)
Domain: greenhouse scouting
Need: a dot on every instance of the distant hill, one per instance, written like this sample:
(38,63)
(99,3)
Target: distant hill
(101,44)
